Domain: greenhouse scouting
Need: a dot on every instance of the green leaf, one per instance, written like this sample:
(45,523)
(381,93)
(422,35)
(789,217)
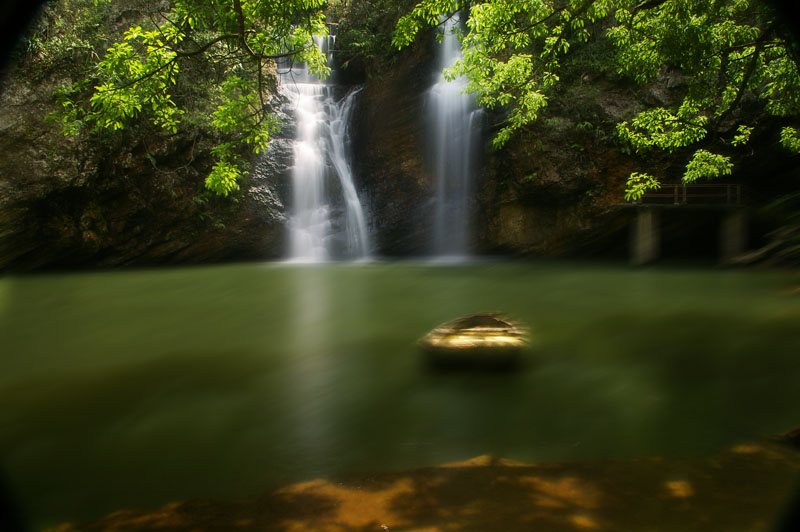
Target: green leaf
(742,135)
(706,165)
(790,139)
(638,184)
(222,179)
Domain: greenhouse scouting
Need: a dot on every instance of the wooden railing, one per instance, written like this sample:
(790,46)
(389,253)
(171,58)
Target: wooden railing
(693,194)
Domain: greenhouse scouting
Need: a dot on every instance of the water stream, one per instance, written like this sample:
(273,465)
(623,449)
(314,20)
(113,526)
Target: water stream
(327,219)
(455,125)
(357,237)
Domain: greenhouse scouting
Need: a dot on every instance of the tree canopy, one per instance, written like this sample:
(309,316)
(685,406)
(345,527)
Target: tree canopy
(730,52)
(139,75)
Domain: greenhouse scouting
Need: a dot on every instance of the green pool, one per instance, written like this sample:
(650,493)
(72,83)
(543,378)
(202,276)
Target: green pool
(133,389)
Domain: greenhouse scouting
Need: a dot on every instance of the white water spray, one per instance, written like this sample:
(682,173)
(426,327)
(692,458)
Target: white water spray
(455,123)
(357,238)
(320,151)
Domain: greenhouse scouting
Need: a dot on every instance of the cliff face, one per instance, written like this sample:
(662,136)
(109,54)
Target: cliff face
(552,190)
(555,188)
(132,198)
(137,200)
(549,192)
(388,146)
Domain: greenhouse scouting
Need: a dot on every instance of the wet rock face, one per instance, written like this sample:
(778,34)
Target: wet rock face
(137,199)
(388,145)
(548,192)
(551,190)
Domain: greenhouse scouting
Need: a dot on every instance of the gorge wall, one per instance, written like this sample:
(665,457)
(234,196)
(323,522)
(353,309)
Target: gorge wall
(554,189)
(137,198)
(549,192)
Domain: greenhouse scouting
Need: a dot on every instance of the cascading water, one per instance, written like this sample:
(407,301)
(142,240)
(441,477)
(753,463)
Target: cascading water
(357,238)
(309,224)
(320,150)
(455,123)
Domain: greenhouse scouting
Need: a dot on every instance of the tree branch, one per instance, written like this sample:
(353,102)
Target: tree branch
(751,67)
(748,73)
(649,4)
(791,48)
(534,24)
(237,8)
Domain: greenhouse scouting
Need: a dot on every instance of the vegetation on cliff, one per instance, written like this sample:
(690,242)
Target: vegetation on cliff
(142,74)
(189,86)
(731,56)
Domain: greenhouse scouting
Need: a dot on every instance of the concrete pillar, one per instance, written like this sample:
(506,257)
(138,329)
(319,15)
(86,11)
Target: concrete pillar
(645,237)
(732,234)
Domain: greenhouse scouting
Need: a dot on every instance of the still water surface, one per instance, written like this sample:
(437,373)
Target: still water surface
(133,389)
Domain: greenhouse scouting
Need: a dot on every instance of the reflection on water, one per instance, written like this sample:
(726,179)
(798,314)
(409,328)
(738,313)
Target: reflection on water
(309,367)
(133,389)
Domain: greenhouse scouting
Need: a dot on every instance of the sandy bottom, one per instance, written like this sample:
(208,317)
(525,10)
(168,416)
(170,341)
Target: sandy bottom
(745,488)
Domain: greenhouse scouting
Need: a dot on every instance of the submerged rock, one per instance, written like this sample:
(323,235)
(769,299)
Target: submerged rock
(486,339)
(744,488)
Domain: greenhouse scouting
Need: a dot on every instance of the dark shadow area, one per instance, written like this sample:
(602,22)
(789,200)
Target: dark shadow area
(743,489)
(790,518)
(15,17)
(690,234)
(465,363)
(276,512)
(11,517)
(70,439)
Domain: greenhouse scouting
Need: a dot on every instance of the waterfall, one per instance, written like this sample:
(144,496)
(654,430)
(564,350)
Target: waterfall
(317,231)
(455,125)
(357,242)
(309,222)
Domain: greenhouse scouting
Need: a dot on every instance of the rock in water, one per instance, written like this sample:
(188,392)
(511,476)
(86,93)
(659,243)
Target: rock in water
(485,340)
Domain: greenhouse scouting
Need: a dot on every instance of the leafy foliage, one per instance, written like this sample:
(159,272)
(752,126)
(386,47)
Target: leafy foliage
(727,51)
(742,135)
(223,177)
(137,72)
(142,75)
(638,184)
(365,31)
(706,165)
(660,128)
(790,139)
(66,34)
